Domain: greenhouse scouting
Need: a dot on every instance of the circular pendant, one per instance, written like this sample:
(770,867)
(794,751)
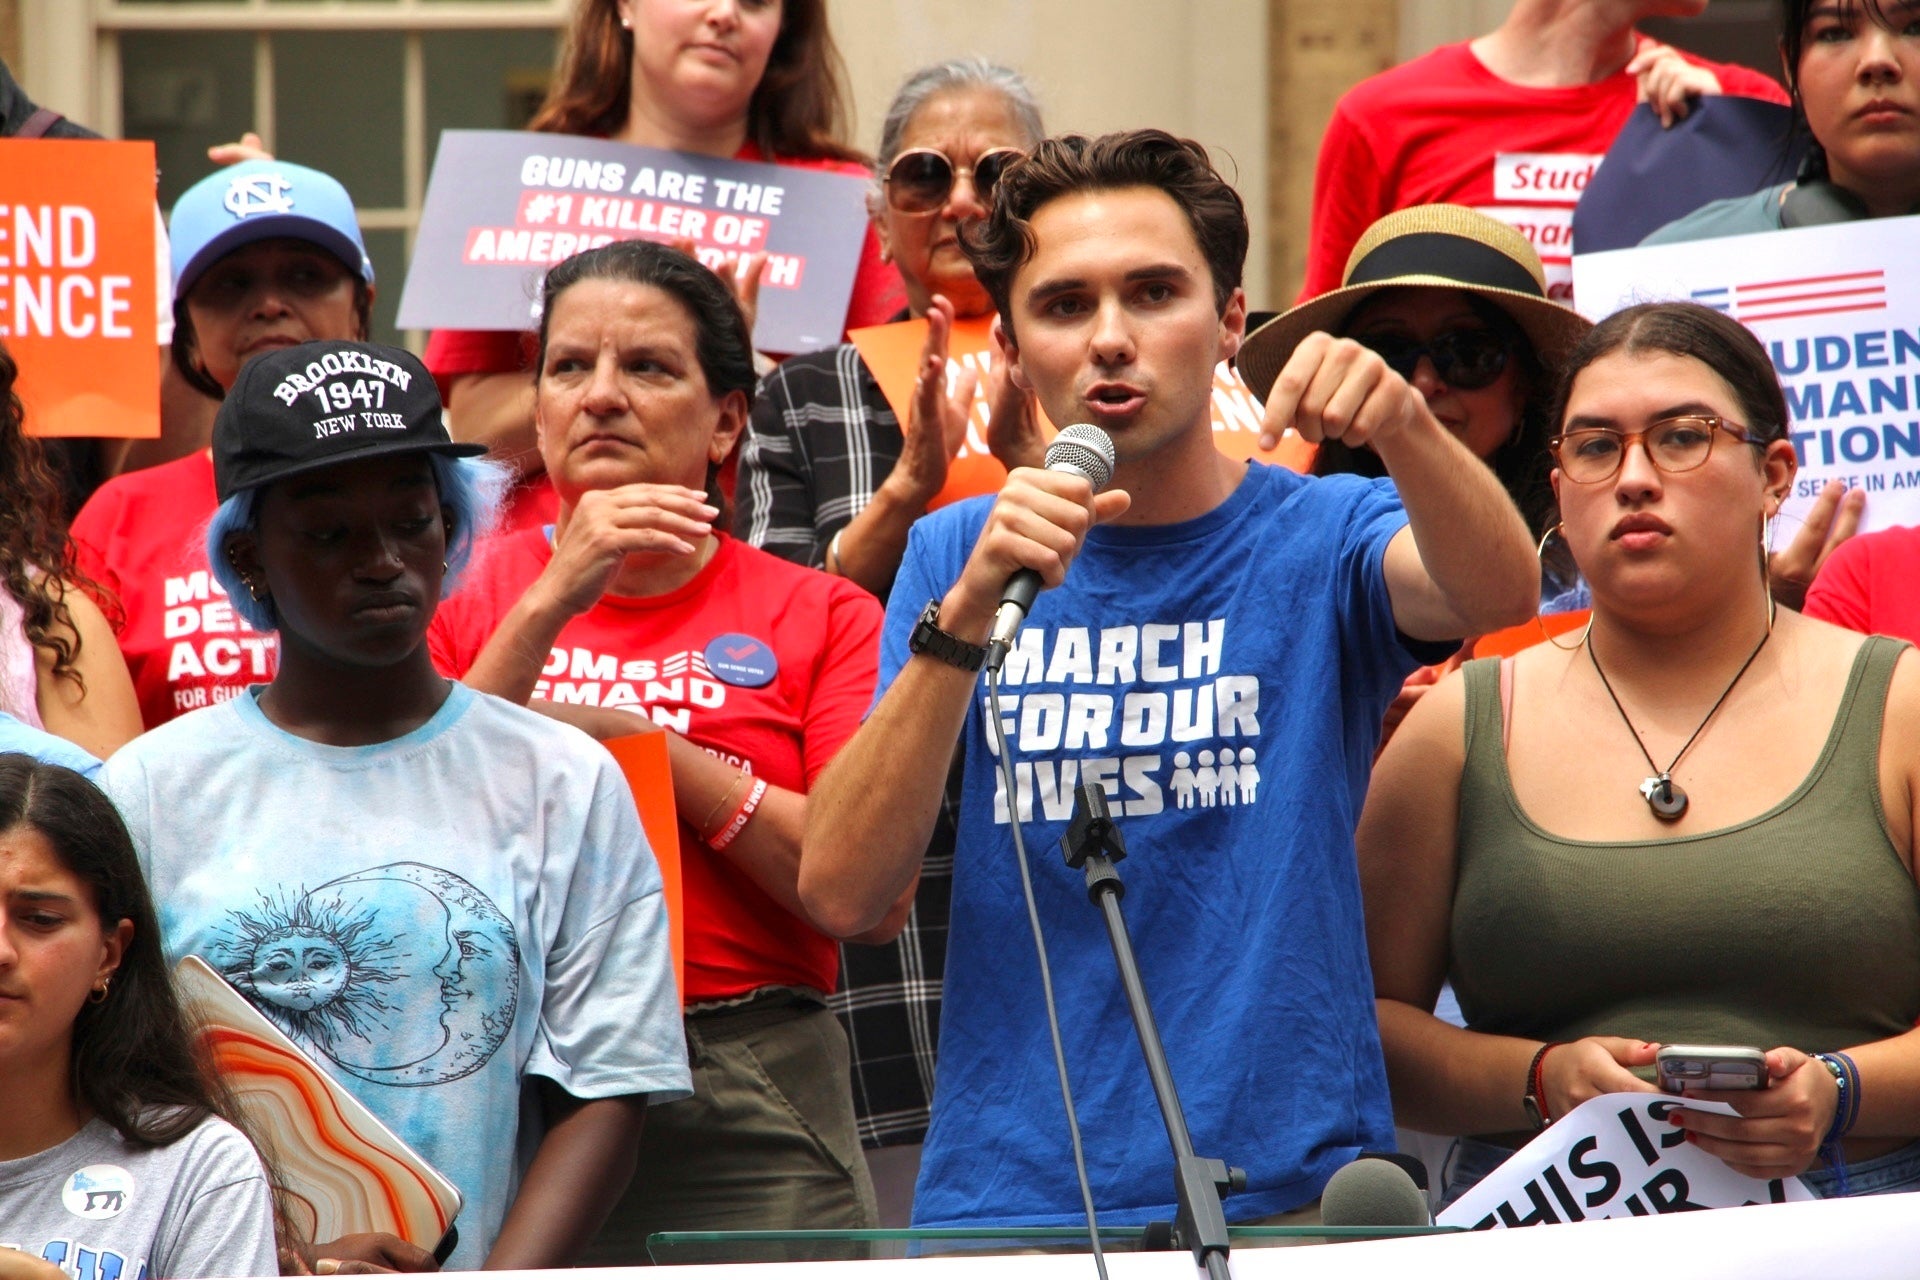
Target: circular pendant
(1665,798)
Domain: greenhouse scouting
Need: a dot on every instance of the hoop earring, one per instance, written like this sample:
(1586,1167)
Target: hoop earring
(99,994)
(1539,553)
(1766,575)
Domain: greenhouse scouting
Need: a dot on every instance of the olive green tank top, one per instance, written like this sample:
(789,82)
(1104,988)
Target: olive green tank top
(1799,926)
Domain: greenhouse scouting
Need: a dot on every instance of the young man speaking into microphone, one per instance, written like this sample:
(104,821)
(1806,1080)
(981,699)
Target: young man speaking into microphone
(1218,659)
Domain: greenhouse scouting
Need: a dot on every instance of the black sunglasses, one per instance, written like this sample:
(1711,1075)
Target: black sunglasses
(919,181)
(1465,358)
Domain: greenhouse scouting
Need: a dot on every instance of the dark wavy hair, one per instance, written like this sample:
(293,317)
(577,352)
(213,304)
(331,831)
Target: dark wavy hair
(722,344)
(798,110)
(1000,244)
(37,565)
(1715,339)
(134,1061)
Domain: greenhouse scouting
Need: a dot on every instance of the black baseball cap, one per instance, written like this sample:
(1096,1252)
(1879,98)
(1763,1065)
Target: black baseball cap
(318,404)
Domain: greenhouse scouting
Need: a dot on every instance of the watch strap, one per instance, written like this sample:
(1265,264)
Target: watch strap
(928,638)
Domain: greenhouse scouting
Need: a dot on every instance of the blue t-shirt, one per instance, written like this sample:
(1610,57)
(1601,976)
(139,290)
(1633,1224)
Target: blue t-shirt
(433,918)
(1224,679)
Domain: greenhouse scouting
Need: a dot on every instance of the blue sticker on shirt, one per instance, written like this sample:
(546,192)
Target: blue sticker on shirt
(741,660)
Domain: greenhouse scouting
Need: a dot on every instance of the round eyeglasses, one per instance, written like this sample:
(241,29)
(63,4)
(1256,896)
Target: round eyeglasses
(1593,454)
(920,180)
(1467,359)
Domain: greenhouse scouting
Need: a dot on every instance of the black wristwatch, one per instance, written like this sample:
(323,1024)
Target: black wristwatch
(929,639)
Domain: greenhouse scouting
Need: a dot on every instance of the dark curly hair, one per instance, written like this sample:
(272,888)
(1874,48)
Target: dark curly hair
(1002,243)
(36,557)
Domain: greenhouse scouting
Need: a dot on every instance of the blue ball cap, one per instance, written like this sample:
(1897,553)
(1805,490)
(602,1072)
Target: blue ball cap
(262,200)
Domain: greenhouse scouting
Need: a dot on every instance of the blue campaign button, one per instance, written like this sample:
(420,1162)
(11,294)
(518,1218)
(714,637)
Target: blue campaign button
(741,660)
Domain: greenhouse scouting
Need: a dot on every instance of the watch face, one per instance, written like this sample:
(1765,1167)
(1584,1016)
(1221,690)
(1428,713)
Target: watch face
(927,628)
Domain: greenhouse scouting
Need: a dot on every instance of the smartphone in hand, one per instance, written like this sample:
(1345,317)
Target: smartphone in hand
(1710,1066)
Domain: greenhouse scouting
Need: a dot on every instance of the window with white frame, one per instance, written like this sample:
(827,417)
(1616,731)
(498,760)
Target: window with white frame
(358,88)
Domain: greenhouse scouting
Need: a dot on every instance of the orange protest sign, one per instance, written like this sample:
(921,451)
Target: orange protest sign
(892,352)
(77,284)
(642,757)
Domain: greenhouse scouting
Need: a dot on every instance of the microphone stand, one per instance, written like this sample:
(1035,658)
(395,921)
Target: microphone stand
(1093,842)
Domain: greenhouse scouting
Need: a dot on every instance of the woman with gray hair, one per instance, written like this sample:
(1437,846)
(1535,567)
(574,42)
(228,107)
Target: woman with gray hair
(829,477)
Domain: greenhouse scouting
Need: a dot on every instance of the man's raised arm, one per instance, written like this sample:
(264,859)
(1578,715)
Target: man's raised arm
(1464,566)
(871,811)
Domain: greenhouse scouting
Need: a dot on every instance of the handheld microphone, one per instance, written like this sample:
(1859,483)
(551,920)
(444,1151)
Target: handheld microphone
(1374,1191)
(1083,450)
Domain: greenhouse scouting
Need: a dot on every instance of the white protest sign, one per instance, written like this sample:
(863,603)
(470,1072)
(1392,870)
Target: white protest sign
(1838,310)
(1614,1156)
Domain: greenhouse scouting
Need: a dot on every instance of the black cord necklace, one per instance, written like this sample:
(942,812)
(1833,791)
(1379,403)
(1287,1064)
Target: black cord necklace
(1663,795)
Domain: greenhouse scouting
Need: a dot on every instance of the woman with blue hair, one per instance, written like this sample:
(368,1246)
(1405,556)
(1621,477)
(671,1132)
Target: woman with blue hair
(444,898)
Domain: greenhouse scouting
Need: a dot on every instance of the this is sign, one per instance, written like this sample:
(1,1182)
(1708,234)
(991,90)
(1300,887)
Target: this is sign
(1614,1156)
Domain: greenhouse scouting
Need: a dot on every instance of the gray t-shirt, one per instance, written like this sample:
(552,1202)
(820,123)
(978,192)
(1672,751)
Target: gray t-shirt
(100,1207)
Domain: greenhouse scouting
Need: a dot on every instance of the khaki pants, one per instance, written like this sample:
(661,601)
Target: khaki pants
(767,1142)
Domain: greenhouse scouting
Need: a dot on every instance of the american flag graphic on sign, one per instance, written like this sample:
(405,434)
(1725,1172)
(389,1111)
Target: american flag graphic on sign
(1805,296)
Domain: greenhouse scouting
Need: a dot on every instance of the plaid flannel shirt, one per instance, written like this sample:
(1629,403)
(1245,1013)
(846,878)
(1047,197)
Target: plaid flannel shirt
(820,440)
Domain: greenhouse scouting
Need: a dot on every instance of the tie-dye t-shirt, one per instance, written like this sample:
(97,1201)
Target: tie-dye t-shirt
(433,918)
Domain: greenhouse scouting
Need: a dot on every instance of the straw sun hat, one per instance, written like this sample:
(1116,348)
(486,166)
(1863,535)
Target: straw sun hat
(1442,246)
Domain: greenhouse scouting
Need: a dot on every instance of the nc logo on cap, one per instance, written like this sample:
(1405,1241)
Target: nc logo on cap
(258,193)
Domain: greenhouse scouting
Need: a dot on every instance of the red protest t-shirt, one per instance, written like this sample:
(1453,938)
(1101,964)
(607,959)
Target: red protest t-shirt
(1868,585)
(762,663)
(530,503)
(1443,129)
(142,536)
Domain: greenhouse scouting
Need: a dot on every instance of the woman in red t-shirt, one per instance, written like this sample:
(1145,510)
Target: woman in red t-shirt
(636,601)
(747,79)
(265,254)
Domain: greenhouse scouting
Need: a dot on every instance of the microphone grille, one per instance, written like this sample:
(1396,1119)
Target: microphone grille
(1373,1192)
(1085,448)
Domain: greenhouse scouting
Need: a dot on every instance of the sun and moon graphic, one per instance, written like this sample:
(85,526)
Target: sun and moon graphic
(403,974)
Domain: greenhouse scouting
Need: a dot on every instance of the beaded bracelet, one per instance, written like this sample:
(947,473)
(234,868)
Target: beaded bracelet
(1535,1099)
(1846,1111)
(724,836)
